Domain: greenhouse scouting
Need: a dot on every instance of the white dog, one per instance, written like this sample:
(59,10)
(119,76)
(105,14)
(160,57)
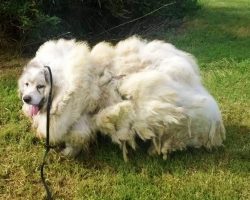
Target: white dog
(135,89)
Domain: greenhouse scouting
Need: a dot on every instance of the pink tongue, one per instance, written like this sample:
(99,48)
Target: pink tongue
(34,110)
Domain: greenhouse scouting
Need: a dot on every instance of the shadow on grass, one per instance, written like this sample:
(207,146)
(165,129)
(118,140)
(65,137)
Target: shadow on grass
(234,157)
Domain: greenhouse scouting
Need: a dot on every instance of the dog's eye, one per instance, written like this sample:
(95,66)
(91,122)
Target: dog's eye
(27,84)
(40,86)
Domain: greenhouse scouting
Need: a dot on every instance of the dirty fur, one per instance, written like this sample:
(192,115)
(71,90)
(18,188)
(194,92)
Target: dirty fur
(137,88)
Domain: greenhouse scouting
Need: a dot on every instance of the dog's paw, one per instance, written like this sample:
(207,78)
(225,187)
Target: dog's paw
(70,151)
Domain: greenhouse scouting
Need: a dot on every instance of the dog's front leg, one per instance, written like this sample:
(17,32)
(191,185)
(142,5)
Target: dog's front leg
(81,134)
(71,150)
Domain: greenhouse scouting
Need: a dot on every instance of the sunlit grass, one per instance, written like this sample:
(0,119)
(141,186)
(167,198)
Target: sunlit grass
(218,35)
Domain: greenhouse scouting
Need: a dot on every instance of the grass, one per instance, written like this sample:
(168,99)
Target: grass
(219,36)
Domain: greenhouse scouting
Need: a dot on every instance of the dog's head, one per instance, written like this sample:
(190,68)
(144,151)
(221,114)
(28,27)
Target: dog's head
(34,88)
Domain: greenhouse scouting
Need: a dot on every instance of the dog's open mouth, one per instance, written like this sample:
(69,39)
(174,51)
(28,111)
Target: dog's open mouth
(33,110)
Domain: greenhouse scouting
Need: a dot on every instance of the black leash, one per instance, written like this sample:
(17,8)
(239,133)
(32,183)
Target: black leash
(47,145)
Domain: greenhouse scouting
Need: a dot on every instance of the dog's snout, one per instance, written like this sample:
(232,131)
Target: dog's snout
(27,99)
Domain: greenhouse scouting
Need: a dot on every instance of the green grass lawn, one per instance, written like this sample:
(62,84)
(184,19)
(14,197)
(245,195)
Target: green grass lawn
(219,36)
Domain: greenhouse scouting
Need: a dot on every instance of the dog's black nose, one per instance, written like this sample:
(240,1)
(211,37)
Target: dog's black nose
(27,99)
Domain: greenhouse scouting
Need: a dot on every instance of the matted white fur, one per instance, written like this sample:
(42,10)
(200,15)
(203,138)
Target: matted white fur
(136,88)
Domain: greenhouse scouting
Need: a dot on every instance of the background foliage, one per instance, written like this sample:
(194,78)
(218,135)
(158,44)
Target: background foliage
(26,22)
(218,35)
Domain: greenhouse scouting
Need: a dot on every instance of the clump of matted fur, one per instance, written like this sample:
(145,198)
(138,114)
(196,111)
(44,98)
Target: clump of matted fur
(136,88)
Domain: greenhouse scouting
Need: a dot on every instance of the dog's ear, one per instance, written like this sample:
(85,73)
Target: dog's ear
(19,93)
(46,75)
(20,87)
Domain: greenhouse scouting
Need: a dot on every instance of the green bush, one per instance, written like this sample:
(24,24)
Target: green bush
(30,22)
(23,20)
